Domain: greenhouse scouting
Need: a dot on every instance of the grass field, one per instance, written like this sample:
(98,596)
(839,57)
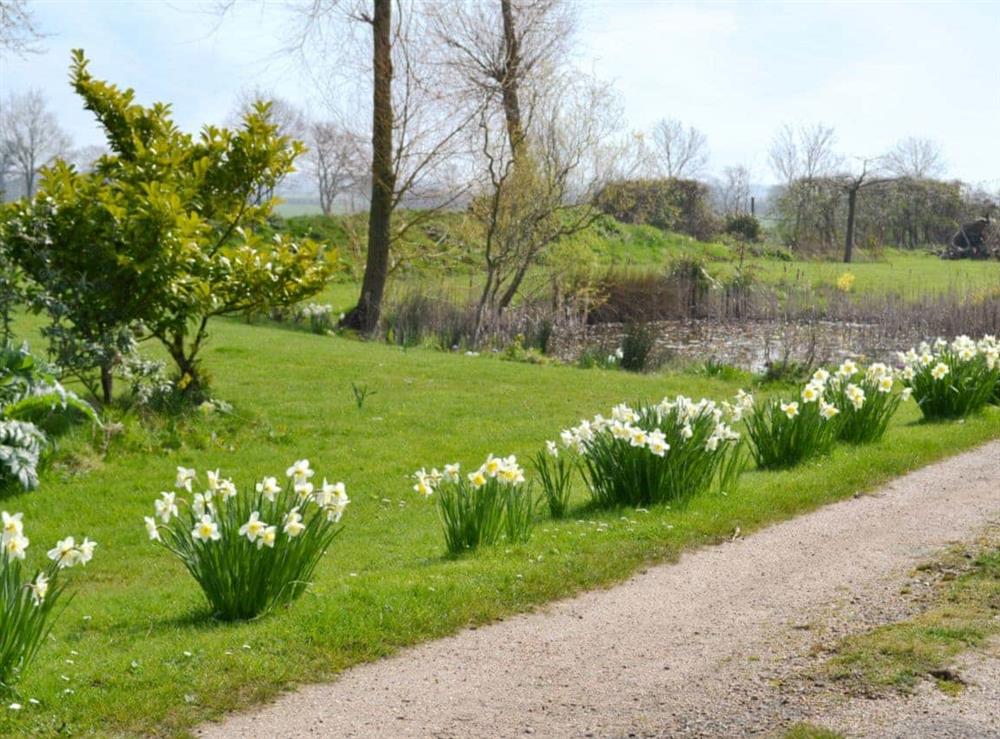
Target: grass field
(136,652)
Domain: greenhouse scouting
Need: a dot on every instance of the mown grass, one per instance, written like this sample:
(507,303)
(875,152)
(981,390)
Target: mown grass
(136,648)
(810,731)
(898,656)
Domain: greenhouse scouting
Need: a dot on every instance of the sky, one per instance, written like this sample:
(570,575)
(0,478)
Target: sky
(875,71)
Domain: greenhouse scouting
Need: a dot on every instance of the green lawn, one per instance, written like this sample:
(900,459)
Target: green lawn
(135,651)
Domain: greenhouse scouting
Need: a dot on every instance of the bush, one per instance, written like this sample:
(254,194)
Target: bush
(254,549)
(477,509)
(28,603)
(865,400)
(784,434)
(555,472)
(318,315)
(637,346)
(669,204)
(32,402)
(663,453)
(952,380)
(743,226)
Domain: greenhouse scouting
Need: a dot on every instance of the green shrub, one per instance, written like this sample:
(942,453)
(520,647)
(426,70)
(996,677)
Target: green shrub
(637,347)
(478,508)
(663,453)
(669,204)
(743,226)
(555,471)
(952,380)
(784,434)
(864,399)
(254,549)
(27,603)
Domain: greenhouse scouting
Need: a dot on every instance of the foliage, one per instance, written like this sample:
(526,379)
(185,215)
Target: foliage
(252,550)
(784,434)
(669,204)
(319,316)
(27,603)
(476,509)
(555,472)
(32,402)
(864,399)
(637,346)
(165,230)
(665,453)
(952,380)
(743,226)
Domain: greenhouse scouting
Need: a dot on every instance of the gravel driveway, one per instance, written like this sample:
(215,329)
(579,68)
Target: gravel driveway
(713,645)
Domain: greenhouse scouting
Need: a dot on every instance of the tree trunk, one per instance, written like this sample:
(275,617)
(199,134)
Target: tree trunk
(107,384)
(852,200)
(510,83)
(364,317)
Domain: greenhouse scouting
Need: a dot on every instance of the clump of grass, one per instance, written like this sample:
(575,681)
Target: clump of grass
(555,472)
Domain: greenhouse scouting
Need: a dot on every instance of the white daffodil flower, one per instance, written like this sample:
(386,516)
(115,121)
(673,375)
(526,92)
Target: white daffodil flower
(166,506)
(269,488)
(65,554)
(185,477)
(253,527)
(206,530)
(151,530)
(39,588)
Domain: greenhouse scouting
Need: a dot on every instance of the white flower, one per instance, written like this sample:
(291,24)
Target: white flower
(185,476)
(856,395)
(206,529)
(478,478)
(424,485)
(621,431)
(227,489)
(293,523)
(552,449)
(687,432)
(39,588)
(452,472)
(335,510)
(15,545)
(65,553)
(810,394)
(213,479)
(269,488)
(638,437)
(304,489)
(154,533)
(268,537)
(510,472)
(906,394)
(12,525)
(790,409)
(908,373)
(885,384)
(847,369)
(254,527)
(821,376)
(202,503)
(657,443)
(166,506)
(300,471)
(940,371)
(492,465)
(828,410)
(86,549)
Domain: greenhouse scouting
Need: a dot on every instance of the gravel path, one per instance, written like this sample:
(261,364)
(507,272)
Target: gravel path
(714,645)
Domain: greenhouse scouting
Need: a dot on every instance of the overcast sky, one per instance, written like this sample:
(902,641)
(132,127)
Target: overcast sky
(877,72)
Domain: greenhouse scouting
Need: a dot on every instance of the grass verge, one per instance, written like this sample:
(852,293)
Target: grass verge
(135,651)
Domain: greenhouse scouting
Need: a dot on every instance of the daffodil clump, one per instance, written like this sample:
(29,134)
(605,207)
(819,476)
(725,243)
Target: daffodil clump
(480,507)
(865,399)
(663,453)
(952,380)
(554,469)
(784,433)
(28,602)
(249,549)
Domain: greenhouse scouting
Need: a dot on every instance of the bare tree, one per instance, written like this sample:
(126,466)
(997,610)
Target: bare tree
(680,151)
(31,135)
(734,190)
(916,158)
(801,158)
(19,32)
(336,160)
(286,115)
